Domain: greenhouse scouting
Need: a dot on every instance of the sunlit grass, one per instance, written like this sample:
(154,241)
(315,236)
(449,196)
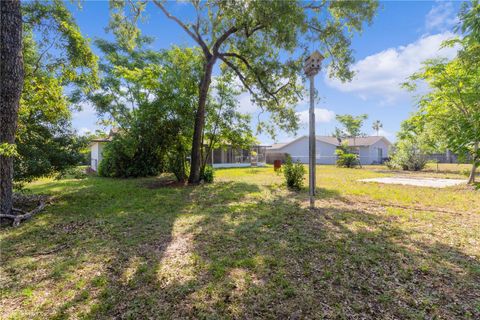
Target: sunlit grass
(245,247)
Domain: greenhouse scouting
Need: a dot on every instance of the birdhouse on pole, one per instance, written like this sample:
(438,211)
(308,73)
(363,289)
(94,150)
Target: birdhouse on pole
(313,64)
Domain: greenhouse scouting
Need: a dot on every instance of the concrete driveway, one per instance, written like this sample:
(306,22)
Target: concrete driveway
(420,182)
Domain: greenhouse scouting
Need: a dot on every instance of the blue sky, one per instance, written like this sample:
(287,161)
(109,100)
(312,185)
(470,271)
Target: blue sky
(403,34)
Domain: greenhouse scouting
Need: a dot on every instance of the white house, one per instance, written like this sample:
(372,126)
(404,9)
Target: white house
(226,157)
(96,150)
(371,150)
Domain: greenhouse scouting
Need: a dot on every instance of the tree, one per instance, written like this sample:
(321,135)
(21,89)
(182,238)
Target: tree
(46,142)
(152,96)
(352,126)
(452,107)
(56,55)
(376,126)
(249,41)
(11,75)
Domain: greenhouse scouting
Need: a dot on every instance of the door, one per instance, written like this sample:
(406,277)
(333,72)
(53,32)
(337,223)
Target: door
(380,155)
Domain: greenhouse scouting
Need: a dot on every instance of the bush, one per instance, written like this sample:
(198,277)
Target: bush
(177,163)
(126,157)
(208,174)
(390,164)
(408,156)
(294,173)
(345,159)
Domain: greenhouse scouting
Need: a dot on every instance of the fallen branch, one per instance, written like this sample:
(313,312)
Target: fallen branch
(18,218)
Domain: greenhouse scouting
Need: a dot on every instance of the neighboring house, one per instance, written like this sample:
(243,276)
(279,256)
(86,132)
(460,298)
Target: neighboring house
(226,157)
(96,150)
(371,150)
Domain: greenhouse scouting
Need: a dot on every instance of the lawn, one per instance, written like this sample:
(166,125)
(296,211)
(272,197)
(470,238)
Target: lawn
(245,247)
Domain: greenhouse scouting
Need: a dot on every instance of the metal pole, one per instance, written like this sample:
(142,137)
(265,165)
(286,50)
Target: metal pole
(312,153)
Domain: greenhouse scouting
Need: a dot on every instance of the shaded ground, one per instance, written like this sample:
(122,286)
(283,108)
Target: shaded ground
(245,248)
(419,182)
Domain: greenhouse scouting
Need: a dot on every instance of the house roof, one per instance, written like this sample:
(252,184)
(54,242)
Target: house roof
(357,142)
(113,132)
(277,145)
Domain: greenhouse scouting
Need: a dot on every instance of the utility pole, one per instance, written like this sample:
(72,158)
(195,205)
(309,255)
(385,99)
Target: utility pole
(312,67)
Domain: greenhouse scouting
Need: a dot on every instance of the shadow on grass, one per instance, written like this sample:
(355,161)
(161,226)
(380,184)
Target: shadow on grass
(233,250)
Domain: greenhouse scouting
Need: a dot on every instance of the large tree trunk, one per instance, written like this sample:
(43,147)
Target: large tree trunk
(196,158)
(11,83)
(475,161)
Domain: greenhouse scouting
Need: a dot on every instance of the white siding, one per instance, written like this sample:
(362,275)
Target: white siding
(364,154)
(96,150)
(373,154)
(298,150)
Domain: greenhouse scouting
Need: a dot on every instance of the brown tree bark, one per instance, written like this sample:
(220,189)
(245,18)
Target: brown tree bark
(196,157)
(11,85)
(475,162)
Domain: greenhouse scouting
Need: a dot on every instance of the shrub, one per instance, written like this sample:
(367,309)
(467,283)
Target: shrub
(208,174)
(408,156)
(126,157)
(345,159)
(294,173)
(390,164)
(177,163)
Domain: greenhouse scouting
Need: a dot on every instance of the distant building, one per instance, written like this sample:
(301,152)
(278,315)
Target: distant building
(371,150)
(226,157)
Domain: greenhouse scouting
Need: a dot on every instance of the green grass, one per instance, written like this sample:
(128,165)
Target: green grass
(245,247)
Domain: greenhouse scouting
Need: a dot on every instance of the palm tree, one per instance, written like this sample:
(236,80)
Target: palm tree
(377,125)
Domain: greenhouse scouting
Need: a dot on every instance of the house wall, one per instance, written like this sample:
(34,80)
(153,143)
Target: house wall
(96,150)
(298,150)
(373,151)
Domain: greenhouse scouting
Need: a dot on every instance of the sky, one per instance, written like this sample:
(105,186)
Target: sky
(402,35)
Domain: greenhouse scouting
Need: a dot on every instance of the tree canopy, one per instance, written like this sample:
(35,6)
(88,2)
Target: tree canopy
(152,96)
(257,41)
(351,125)
(56,57)
(451,109)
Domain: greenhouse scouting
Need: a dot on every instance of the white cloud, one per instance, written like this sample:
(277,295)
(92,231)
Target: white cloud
(83,131)
(321,115)
(85,119)
(245,105)
(380,75)
(87,111)
(441,17)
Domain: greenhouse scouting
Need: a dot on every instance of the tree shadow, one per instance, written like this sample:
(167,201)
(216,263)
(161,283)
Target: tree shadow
(100,239)
(276,259)
(235,250)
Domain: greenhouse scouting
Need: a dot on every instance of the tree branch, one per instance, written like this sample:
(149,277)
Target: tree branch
(247,64)
(18,218)
(238,73)
(250,33)
(194,36)
(222,39)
